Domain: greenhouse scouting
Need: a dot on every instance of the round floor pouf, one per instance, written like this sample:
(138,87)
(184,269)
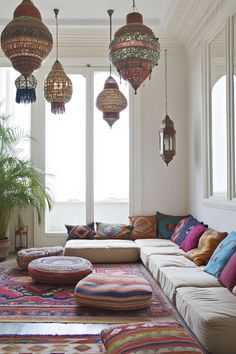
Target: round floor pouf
(25,256)
(113,292)
(59,270)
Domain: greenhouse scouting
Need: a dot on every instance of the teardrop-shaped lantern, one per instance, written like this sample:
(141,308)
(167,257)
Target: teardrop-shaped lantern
(57,86)
(25,92)
(26,41)
(111,101)
(134,50)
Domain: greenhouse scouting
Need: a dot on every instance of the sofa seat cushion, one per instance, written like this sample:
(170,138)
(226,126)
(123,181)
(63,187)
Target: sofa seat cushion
(147,252)
(211,314)
(159,260)
(103,251)
(155,243)
(172,278)
(113,292)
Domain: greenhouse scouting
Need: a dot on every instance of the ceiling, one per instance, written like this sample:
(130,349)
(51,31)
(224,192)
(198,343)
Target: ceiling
(165,17)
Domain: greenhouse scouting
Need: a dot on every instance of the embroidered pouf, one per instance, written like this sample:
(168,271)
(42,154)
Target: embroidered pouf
(25,256)
(59,270)
(113,292)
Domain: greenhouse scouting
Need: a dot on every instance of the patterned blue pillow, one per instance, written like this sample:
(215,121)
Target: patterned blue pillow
(166,224)
(191,221)
(221,255)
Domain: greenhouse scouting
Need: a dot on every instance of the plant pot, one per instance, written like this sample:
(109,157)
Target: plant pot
(4,249)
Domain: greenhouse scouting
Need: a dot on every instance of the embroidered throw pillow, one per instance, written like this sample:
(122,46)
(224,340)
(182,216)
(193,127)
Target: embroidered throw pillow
(166,224)
(149,337)
(228,275)
(206,246)
(178,228)
(191,240)
(191,221)
(143,226)
(113,231)
(80,231)
(222,255)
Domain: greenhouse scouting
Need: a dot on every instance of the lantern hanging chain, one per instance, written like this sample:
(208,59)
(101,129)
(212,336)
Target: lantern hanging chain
(56,11)
(166,80)
(110,12)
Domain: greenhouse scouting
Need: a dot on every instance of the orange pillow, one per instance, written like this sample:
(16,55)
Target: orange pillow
(143,227)
(206,246)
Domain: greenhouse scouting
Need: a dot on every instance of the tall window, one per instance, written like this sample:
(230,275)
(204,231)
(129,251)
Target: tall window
(221,138)
(87,162)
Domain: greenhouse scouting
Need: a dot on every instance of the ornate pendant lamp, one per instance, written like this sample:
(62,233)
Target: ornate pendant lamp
(26,41)
(167,147)
(57,86)
(111,100)
(25,92)
(134,50)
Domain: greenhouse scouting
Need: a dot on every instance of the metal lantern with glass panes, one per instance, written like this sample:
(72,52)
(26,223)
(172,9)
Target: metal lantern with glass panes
(167,140)
(167,146)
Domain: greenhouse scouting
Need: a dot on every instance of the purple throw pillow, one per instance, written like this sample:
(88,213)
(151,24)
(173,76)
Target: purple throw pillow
(192,238)
(228,274)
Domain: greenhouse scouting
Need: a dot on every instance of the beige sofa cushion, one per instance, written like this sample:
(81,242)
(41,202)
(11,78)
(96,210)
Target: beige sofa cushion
(155,243)
(172,278)
(211,315)
(103,251)
(158,260)
(147,252)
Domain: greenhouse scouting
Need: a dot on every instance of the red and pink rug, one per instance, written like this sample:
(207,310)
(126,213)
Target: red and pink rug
(21,299)
(45,344)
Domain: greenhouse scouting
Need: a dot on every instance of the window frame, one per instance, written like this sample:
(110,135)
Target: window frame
(209,199)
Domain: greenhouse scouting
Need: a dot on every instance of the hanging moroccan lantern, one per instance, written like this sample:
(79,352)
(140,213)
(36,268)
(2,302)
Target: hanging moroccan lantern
(111,101)
(57,86)
(26,41)
(167,145)
(25,92)
(134,50)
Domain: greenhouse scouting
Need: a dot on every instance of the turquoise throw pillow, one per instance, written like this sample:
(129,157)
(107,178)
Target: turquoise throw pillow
(166,224)
(222,255)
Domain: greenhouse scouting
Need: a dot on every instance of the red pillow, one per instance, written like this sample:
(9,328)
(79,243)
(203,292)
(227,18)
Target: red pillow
(192,238)
(228,274)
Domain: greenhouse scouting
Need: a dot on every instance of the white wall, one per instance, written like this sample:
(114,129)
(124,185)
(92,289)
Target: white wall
(164,188)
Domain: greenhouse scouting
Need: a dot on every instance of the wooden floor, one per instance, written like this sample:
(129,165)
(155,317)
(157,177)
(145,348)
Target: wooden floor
(47,328)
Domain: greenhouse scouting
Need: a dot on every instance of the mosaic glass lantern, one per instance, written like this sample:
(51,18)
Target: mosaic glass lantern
(134,50)
(26,41)
(111,100)
(25,92)
(57,86)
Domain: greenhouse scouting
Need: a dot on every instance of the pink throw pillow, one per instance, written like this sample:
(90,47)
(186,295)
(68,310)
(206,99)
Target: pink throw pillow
(228,274)
(191,240)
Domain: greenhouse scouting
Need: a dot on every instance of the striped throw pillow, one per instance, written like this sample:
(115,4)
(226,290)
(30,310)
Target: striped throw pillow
(113,292)
(149,337)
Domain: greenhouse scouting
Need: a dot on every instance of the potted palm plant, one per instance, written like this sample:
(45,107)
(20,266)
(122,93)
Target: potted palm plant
(21,184)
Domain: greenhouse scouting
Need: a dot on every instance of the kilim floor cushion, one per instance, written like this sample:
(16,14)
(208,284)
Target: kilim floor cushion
(59,270)
(114,292)
(25,256)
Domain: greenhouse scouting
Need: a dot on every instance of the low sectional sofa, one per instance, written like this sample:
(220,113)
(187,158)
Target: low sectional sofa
(208,308)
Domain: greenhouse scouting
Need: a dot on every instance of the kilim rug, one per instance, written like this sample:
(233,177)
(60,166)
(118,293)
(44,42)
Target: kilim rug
(23,300)
(64,344)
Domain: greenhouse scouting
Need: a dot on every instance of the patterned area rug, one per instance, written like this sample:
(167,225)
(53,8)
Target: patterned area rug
(23,300)
(64,344)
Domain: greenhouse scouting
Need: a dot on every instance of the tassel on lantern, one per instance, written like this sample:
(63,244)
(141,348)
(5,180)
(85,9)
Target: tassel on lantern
(25,92)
